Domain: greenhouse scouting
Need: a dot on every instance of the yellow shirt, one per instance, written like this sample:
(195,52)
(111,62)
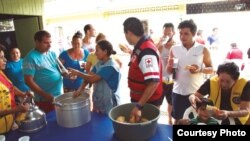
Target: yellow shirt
(6,122)
(215,94)
(92,59)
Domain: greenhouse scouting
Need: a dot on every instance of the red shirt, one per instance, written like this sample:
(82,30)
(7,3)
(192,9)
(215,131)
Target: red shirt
(235,53)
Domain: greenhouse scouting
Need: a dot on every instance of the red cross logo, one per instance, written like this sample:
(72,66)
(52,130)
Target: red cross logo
(148,62)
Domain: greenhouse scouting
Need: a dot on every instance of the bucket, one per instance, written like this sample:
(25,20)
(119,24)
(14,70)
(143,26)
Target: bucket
(134,131)
(72,112)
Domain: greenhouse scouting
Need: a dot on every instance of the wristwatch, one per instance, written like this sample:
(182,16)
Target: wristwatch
(140,107)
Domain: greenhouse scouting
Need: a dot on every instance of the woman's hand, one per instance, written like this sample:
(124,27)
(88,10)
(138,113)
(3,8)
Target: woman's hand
(221,114)
(193,100)
(73,72)
(77,93)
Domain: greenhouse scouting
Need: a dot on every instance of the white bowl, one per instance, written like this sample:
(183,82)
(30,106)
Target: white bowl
(24,138)
(2,138)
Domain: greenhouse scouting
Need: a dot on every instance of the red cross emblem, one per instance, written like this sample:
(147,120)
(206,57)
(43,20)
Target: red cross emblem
(148,62)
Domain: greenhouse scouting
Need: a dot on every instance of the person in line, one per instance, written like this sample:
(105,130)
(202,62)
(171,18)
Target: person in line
(92,59)
(14,70)
(164,46)
(145,74)
(199,37)
(73,58)
(87,42)
(105,77)
(204,114)
(187,62)
(229,92)
(8,106)
(235,55)
(245,72)
(41,72)
(213,39)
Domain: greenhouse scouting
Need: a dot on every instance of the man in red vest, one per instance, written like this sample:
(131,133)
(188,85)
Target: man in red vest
(144,77)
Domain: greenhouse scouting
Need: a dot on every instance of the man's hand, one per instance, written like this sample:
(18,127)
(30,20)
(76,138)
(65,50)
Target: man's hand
(135,115)
(125,48)
(193,68)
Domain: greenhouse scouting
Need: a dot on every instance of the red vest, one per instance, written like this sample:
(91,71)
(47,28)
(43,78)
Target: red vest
(136,81)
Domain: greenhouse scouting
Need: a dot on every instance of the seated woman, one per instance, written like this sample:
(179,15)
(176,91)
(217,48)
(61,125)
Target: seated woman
(205,113)
(8,107)
(106,77)
(72,58)
(229,92)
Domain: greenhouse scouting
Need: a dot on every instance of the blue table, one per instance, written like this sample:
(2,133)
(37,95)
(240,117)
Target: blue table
(100,128)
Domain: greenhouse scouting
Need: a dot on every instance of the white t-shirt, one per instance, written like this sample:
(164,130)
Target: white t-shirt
(186,82)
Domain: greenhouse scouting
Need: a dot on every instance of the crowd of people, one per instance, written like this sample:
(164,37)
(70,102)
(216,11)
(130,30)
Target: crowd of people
(166,69)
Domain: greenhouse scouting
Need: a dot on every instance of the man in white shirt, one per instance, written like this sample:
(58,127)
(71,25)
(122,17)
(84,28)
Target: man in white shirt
(193,60)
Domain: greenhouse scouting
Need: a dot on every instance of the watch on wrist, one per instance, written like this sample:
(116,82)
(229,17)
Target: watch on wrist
(140,107)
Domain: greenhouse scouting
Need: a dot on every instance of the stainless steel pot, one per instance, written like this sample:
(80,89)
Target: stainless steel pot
(72,112)
(34,120)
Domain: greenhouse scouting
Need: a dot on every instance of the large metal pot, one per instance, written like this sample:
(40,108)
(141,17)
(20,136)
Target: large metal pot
(134,131)
(34,120)
(72,112)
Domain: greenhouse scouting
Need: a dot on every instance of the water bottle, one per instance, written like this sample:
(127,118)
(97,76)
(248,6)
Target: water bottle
(175,68)
(165,40)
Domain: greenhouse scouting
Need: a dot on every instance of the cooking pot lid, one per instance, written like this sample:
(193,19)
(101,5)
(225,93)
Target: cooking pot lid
(70,100)
(67,98)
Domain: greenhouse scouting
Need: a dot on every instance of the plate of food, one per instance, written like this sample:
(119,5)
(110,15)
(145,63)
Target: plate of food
(123,47)
(189,67)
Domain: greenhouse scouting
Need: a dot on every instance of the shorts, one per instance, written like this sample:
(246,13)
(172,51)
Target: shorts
(157,102)
(167,92)
(180,104)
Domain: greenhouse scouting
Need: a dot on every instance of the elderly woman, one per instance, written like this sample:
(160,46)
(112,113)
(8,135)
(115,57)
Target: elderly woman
(8,107)
(106,77)
(72,58)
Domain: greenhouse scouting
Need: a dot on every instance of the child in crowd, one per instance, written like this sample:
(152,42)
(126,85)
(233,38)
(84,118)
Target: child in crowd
(205,112)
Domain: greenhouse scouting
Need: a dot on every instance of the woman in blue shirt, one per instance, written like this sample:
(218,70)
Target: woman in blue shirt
(106,77)
(72,58)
